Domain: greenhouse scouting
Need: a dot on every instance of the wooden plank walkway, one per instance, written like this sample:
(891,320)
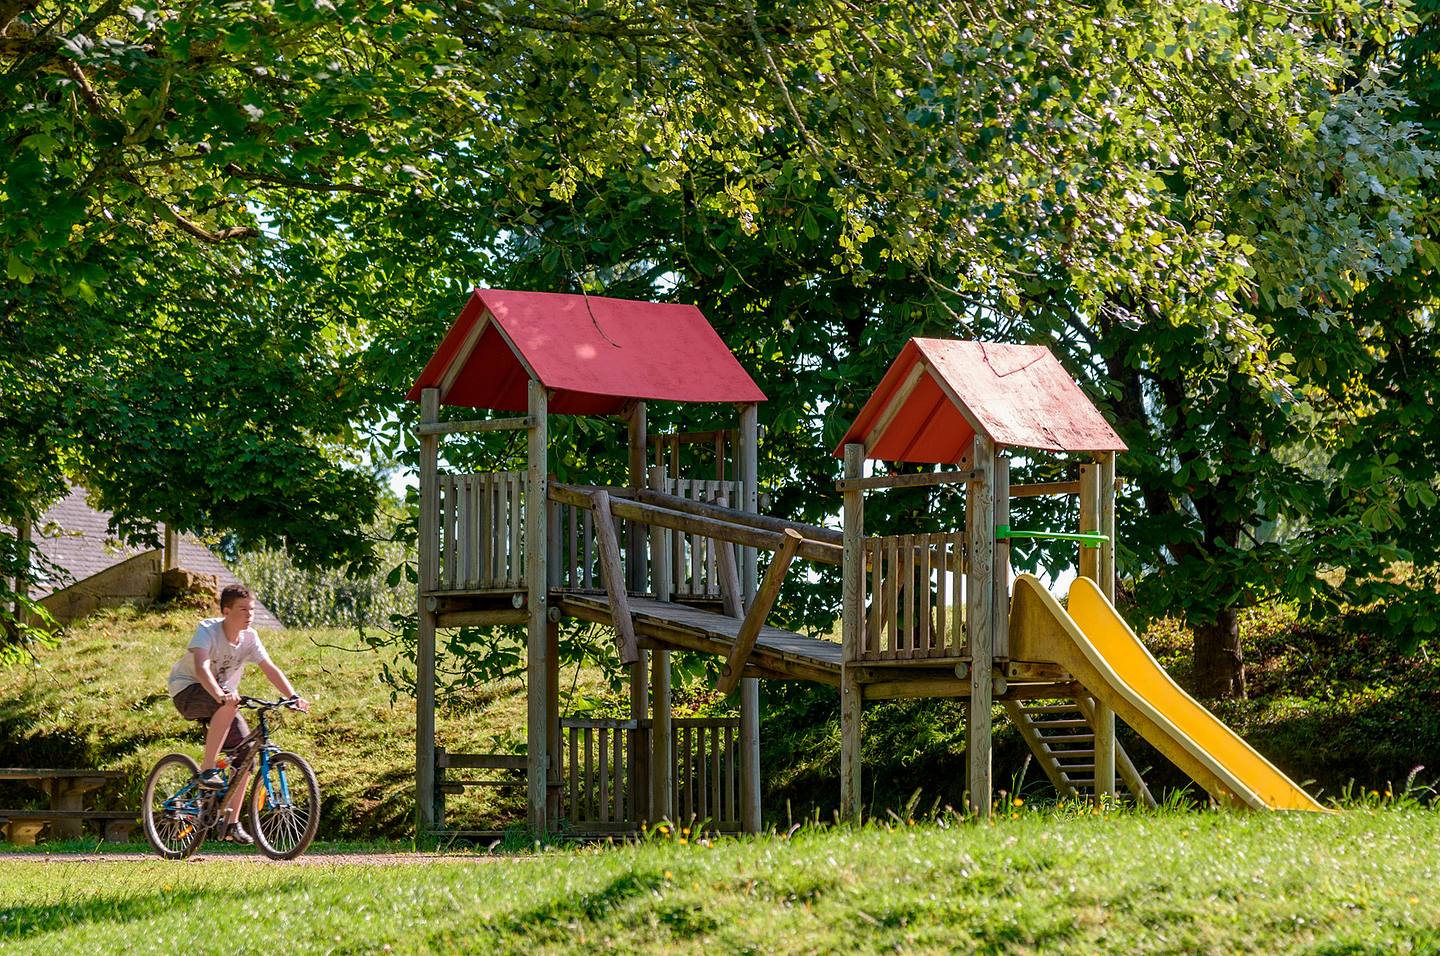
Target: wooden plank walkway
(778,653)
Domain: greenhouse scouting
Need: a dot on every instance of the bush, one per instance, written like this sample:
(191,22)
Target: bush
(327,598)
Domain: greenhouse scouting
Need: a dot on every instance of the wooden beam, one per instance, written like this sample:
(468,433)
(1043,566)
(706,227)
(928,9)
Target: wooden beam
(614,577)
(481,618)
(852,624)
(705,509)
(758,611)
(897,401)
(899,690)
(1089,562)
(1055,488)
(465,428)
(1000,573)
(537,670)
(704,526)
(921,480)
(980,518)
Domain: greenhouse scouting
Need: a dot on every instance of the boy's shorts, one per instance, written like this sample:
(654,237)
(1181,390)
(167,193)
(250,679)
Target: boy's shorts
(195,703)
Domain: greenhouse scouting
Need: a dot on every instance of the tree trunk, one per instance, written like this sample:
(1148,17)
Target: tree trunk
(1219,659)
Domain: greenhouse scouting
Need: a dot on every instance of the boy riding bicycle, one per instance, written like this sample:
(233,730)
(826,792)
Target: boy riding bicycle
(204,685)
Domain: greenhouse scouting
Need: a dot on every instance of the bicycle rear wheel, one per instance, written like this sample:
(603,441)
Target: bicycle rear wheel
(284,807)
(171,809)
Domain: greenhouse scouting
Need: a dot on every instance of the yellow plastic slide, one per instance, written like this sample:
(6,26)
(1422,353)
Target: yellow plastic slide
(1098,648)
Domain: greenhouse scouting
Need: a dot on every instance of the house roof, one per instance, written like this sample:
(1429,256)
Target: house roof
(939,393)
(594,353)
(76,537)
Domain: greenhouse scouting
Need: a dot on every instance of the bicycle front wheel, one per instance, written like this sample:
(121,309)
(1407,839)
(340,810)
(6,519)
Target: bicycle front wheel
(171,810)
(284,806)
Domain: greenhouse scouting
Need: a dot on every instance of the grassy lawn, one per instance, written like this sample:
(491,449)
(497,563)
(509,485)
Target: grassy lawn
(1361,882)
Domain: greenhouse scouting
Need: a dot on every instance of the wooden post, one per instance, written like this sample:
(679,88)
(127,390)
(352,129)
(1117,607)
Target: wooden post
(555,777)
(1089,564)
(634,540)
(537,669)
(980,601)
(1107,525)
(852,610)
(637,579)
(749,465)
(662,765)
(1000,607)
(428,559)
(172,548)
(1100,491)
(662,761)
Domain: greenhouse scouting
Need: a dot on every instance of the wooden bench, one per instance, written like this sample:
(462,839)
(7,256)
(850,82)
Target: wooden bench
(21,827)
(65,788)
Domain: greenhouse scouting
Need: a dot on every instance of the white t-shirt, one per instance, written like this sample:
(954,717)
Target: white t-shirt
(227,660)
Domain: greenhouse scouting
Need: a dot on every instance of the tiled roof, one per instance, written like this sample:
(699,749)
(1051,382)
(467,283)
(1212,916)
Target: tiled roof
(75,536)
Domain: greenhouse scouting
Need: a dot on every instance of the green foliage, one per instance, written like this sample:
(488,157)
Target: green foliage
(231,233)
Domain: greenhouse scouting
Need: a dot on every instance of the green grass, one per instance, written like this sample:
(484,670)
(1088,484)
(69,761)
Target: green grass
(1355,883)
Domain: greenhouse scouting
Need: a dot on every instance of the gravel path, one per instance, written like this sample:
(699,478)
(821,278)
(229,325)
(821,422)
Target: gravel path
(308,859)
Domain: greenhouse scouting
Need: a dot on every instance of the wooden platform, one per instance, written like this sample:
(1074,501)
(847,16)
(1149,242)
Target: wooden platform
(778,653)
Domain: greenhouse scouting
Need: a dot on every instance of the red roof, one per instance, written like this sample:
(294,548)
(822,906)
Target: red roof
(1018,395)
(595,353)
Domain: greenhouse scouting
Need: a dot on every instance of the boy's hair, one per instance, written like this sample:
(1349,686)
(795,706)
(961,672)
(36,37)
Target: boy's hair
(232,593)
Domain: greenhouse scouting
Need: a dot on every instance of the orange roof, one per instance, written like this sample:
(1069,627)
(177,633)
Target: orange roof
(595,353)
(938,393)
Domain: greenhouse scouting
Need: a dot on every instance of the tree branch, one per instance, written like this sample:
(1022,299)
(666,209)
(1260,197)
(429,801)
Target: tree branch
(248,176)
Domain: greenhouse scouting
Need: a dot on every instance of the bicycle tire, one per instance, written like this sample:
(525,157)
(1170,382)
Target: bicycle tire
(170,816)
(283,815)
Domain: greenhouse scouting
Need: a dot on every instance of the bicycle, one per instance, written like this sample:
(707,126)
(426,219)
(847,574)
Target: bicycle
(283,804)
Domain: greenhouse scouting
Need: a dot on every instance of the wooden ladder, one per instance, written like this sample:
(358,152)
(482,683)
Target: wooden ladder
(1062,737)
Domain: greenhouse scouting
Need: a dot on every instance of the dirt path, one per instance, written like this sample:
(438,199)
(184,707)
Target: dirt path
(309,859)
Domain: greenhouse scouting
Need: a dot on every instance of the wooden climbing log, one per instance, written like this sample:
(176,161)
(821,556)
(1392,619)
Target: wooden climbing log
(759,610)
(614,576)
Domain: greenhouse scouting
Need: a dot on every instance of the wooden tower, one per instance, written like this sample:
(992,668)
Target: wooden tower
(964,405)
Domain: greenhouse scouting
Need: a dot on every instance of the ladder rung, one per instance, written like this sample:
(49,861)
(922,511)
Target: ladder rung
(1066,768)
(1078,783)
(1057,754)
(1067,738)
(1078,722)
(1050,709)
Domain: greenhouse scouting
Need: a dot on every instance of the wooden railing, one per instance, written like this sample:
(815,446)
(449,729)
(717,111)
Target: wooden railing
(481,544)
(912,596)
(694,564)
(707,777)
(600,782)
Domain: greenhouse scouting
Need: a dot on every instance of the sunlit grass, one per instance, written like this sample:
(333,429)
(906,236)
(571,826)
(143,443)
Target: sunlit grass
(1358,882)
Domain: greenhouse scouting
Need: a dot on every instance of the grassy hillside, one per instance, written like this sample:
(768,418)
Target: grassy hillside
(1359,883)
(1327,706)
(99,700)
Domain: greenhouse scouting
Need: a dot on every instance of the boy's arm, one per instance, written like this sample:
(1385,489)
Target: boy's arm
(277,677)
(207,678)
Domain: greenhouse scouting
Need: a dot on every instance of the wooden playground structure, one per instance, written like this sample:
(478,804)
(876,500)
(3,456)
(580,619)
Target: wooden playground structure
(672,562)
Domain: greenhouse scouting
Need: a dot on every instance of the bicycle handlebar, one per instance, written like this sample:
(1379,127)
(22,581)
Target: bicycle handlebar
(258,703)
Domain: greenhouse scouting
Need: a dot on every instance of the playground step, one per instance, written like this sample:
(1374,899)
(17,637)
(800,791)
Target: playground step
(1077,731)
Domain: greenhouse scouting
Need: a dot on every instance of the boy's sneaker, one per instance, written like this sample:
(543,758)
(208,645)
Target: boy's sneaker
(211,780)
(235,833)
